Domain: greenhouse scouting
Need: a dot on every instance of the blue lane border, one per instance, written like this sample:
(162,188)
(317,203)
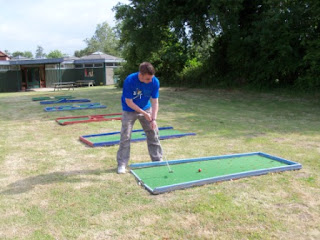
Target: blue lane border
(110,143)
(61,108)
(113,133)
(63,100)
(291,166)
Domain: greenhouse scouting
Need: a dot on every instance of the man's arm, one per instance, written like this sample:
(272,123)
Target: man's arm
(135,107)
(155,108)
(154,114)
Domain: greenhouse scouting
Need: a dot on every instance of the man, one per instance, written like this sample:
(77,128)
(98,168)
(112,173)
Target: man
(138,89)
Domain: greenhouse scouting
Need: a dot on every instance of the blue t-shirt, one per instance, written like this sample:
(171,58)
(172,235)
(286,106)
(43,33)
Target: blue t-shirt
(139,92)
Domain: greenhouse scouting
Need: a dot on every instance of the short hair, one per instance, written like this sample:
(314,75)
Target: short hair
(146,68)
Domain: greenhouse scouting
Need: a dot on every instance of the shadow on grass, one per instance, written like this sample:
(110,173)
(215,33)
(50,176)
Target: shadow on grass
(27,184)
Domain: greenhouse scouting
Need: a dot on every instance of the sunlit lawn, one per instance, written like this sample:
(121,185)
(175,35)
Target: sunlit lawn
(52,186)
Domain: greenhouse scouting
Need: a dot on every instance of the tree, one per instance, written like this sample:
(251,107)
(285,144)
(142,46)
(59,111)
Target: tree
(265,43)
(103,40)
(145,38)
(39,52)
(55,54)
(7,52)
(17,53)
(81,53)
(26,54)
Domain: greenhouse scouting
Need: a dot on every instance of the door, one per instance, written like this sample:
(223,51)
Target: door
(33,76)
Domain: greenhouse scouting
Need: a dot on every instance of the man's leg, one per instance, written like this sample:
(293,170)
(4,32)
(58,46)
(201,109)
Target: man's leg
(154,147)
(123,155)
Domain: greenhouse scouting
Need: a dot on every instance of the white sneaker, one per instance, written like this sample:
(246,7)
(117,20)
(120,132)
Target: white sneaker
(121,169)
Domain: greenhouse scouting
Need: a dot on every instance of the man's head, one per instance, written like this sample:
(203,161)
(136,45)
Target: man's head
(146,72)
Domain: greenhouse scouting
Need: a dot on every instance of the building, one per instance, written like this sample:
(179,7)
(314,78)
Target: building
(21,73)
(4,56)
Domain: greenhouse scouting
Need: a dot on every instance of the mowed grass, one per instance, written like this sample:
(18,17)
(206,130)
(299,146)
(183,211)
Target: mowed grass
(52,186)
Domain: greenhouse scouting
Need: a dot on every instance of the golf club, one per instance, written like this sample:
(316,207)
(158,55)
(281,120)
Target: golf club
(163,154)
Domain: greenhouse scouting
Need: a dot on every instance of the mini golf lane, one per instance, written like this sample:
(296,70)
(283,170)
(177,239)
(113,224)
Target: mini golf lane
(63,100)
(74,107)
(113,138)
(89,118)
(155,177)
(52,97)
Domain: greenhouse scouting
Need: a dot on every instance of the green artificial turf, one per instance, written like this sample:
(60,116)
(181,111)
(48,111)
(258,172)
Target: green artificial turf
(160,176)
(71,107)
(48,98)
(77,106)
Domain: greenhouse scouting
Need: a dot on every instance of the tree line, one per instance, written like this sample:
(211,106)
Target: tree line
(38,54)
(262,43)
(214,43)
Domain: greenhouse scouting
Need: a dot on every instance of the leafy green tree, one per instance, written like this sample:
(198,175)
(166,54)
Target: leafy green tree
(26,54)
(310,40)
(55,54)
(104,40)
(17,53)
(144,38)
(270,47)
(81,53)
(40,52)
(265,43)
(7,52)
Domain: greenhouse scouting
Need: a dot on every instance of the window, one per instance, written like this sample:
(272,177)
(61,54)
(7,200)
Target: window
(88,65)
(68,66)
(14,67)
(4,68)
(78,66)
(98,65)
(50,66)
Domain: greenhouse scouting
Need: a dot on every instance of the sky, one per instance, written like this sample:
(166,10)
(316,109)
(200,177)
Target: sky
(52,24)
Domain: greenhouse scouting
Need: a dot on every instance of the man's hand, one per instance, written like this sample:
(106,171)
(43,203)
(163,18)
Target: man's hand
(153,124)
(135,107)
(147,116)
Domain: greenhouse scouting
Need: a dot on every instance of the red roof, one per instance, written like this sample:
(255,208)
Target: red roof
(2,54)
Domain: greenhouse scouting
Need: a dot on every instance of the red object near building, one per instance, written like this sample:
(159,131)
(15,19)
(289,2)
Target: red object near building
(4,56)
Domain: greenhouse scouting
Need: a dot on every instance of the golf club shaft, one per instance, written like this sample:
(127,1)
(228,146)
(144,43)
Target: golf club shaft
(163,154)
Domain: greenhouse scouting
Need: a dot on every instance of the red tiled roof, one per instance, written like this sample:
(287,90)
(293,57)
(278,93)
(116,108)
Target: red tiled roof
(2,54)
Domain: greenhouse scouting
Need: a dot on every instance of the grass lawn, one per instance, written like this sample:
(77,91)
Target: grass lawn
(52,186)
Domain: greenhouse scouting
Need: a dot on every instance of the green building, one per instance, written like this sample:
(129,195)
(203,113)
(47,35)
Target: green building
(22,73)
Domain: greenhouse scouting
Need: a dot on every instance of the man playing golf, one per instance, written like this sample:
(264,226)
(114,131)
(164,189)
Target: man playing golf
(138,89)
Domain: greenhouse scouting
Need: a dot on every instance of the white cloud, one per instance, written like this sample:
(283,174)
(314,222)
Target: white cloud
(58,24)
